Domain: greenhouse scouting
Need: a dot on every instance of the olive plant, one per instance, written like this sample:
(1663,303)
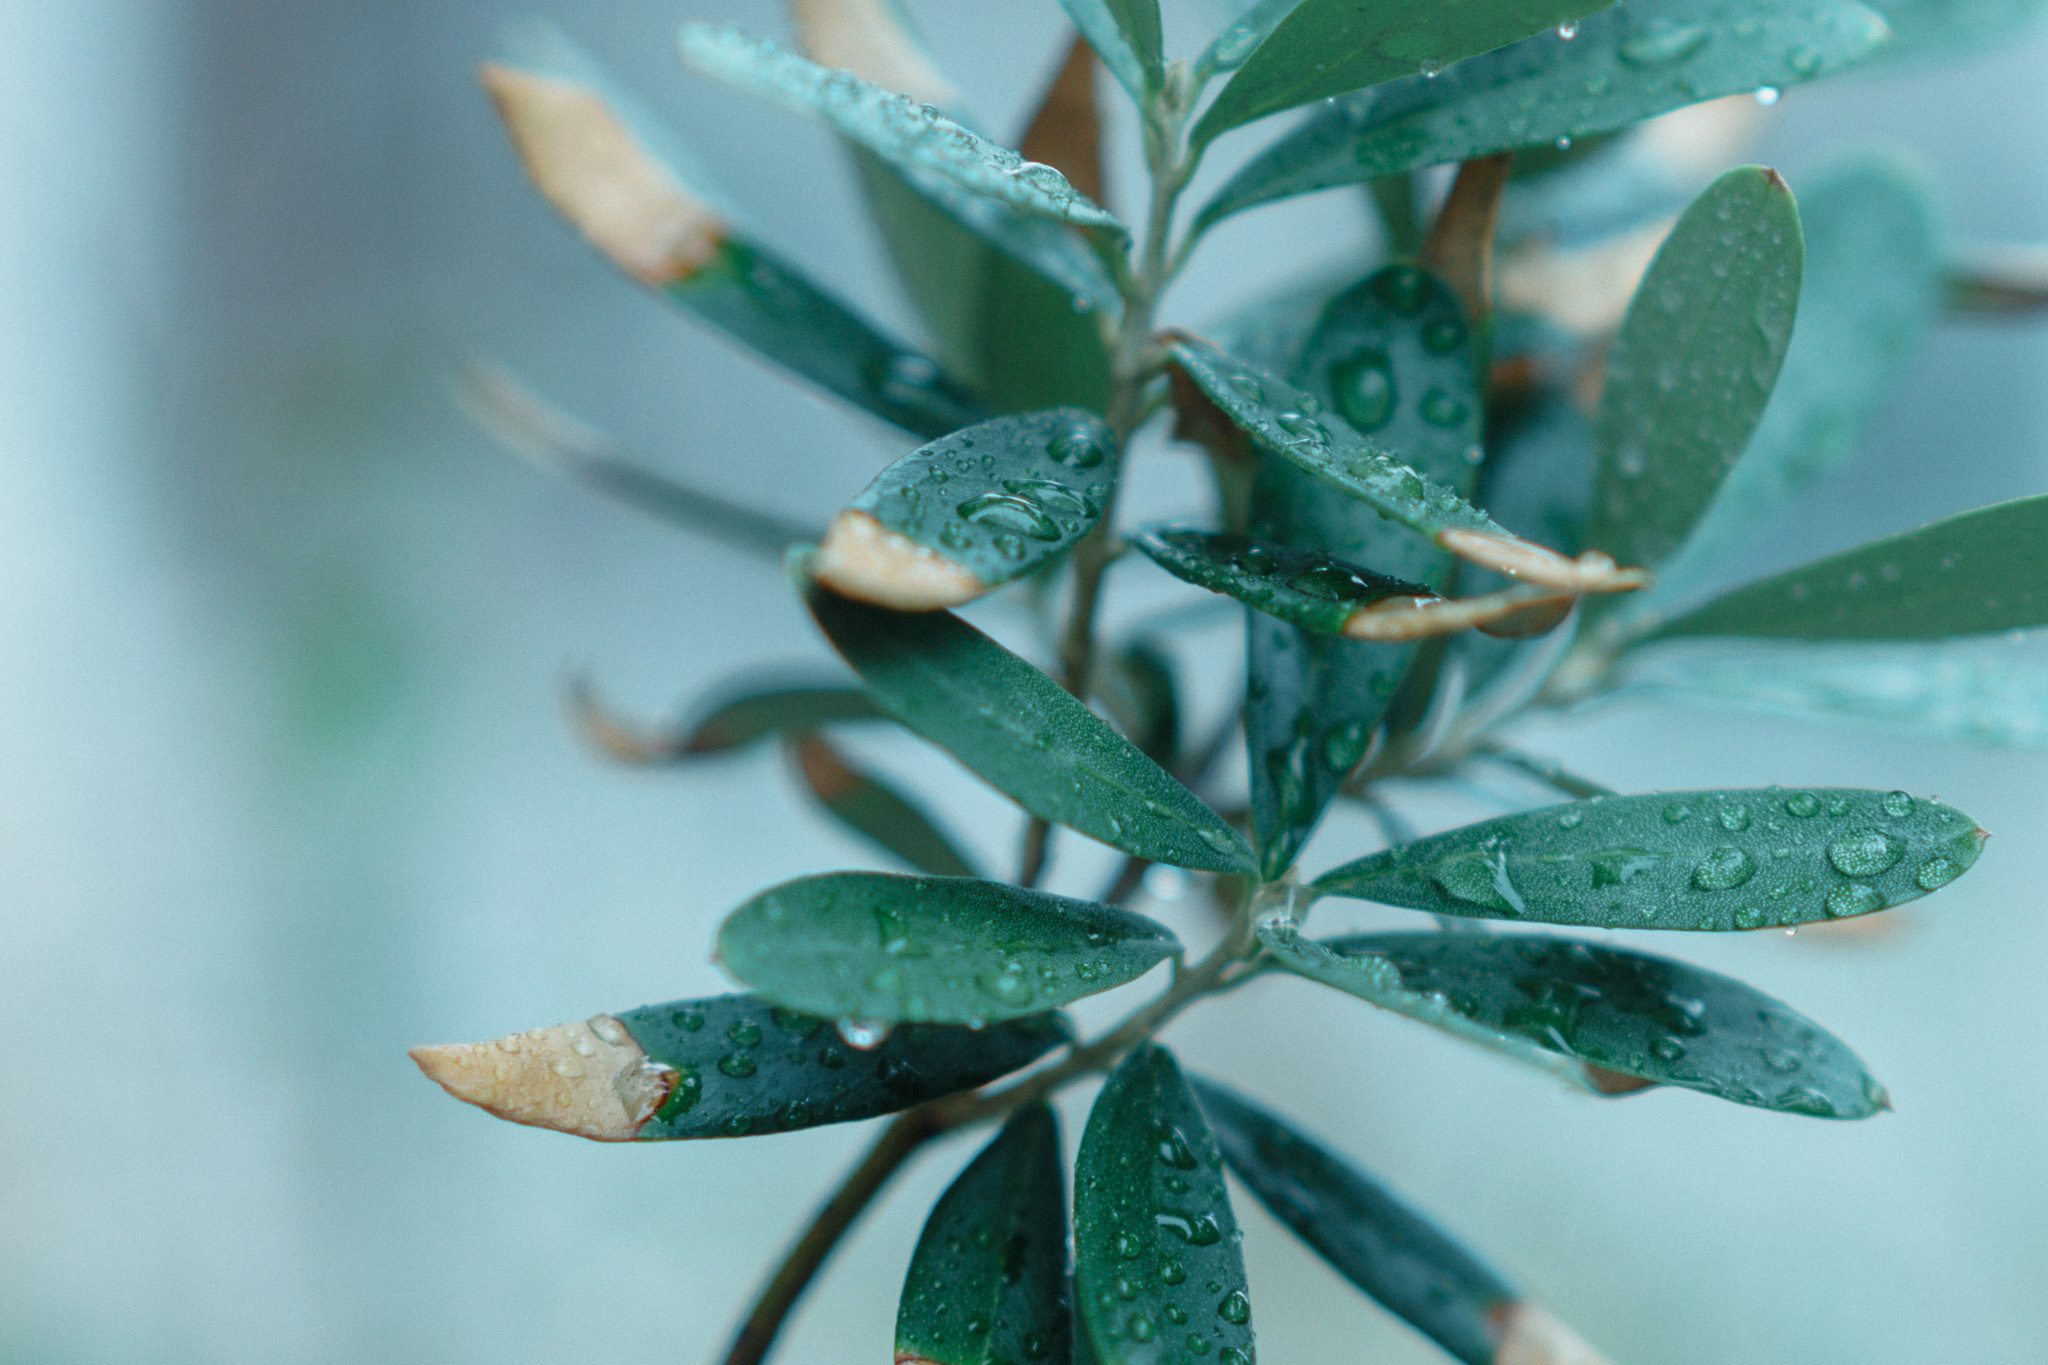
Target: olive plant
(1471,480)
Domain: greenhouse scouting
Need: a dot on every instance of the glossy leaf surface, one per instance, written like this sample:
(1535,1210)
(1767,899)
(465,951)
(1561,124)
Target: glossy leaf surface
(1583,1004)
(1330,47)
(1688,378)
(997,500)
(874,947)
(1367,1234)
(1125,34)
(1679,860)
(1314,591)
(988,1281)
(1971,574)
(745,1067)
(876,811)
(894,127)
(1869,293)
(1626,63)
(1024,733)
(1158,1274)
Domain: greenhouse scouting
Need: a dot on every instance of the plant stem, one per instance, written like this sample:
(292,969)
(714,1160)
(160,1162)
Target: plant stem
(908,1132)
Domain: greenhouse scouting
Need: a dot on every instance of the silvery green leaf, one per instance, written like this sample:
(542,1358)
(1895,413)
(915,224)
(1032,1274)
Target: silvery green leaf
(1125,35)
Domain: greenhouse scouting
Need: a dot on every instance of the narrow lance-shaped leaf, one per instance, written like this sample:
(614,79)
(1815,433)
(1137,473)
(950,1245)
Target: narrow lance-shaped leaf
(1625,64)
(1140,693)
(1158,1273)
(895,127)
(953,519)
(1024,733)
(988,1281)
(1329,47)
(875,810)
(1383,1246)
(1867,297)
(885,949)
(725,1066)
(1688,378)
(1125,34)
(742,718)
(584,152)
(1599,1016)
(1965,575)
(1678,860)
(1294,426)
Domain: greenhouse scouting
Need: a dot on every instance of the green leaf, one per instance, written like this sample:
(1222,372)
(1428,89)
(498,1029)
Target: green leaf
(1158,1274)
(1951,28)
(1627,63)
(1314,591)
(1025,734)
(1571,1006)
(973,510)
(1972,574)
(747,717)
(1678,860)
(1368,1236)
(916,138)
(988,1281)
(587,150)
(1125,34)
(1329,47)
(1690,374)
(1139,691)
(876,811)
(875,947)
(1870,292)
(1240,38)
(726,1066)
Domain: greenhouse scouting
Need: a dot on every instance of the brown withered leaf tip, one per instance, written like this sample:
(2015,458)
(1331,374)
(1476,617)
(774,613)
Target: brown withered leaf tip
(863,559)
(1528,1335)
(590,1079)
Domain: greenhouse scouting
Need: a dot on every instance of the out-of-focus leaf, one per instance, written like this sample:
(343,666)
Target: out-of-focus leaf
(726,1066)
(874,810)
(1125,34)
(885,949)
(896,128)
(980,507)
(550,438)
(1626,64)
(583,152)
(1459,248)
(1979,691)
(1383,1246)
(1971,574)
(1321,593)
(1240,38)
(1330,47)
(1951,28)
(743,717)
(1293,425)
(1997,280)
(1025,734)
(1158,1274)
(1139,691)
(1868,296)
(1688,378)
(1572,1006)
(1678,860)
(988,1281)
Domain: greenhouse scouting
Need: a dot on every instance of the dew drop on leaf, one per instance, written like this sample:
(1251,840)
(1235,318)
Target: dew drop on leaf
(1866,853)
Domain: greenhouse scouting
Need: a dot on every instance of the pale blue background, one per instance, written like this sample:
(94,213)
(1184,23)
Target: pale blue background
(287,786)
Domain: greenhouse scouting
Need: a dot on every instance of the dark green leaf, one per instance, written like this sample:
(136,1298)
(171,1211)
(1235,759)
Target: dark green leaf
(1573,1005)
(1125,34)
(1690,374)
(1869,293)
(896,128)
(973,510)
(1626,64)
(1966,575)
(1329,47)
(727,1066)
(1139,691)
(584,150)
(938,260)
(1679,860)
(754,715)
(1024,733)
(1158,1275)
(885,949)
(1314,591)
(1240,38)
(1368,1236)
(874,810)
(988,1281)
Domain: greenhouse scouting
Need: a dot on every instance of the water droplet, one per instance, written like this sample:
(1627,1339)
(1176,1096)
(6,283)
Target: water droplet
(1235,1308)
(1677,813)
(1898,805)
(1364,385)
(865,1034)
(1440,409)
(1479,879)
(1401,289)
(1304,430)
(1200,1230)
(1804,1099)
(582,1046)
(1051,497)
(1866,853)
(1568,30)
(1010,512)
(1141,1327)
(1666,1048)
(1734,819)
(744,1032)
(610,1029)
(1767,95)
(1723,869)
(1075,449)
(1804,805)
(1937,872)
(738,1065)
(1129,1247)
(1198,1343)
(1854,899)
(1780,1061)
(1662,42)
(1430,67)
(1009,984)
(1172,1271)
(1564,144)
(1230,1355)
(1571,819)
(1345,746)
(1804,60)
(689,1089)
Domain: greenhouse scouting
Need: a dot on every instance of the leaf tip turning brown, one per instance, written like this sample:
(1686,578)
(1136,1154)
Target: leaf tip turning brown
(863,559)
(591,1079)
(1529,1335)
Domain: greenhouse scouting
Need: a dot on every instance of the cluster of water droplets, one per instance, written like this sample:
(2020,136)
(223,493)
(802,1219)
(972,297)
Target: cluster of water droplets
(1008,512)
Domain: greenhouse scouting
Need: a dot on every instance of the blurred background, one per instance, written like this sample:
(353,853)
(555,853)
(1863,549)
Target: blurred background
(289,787)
